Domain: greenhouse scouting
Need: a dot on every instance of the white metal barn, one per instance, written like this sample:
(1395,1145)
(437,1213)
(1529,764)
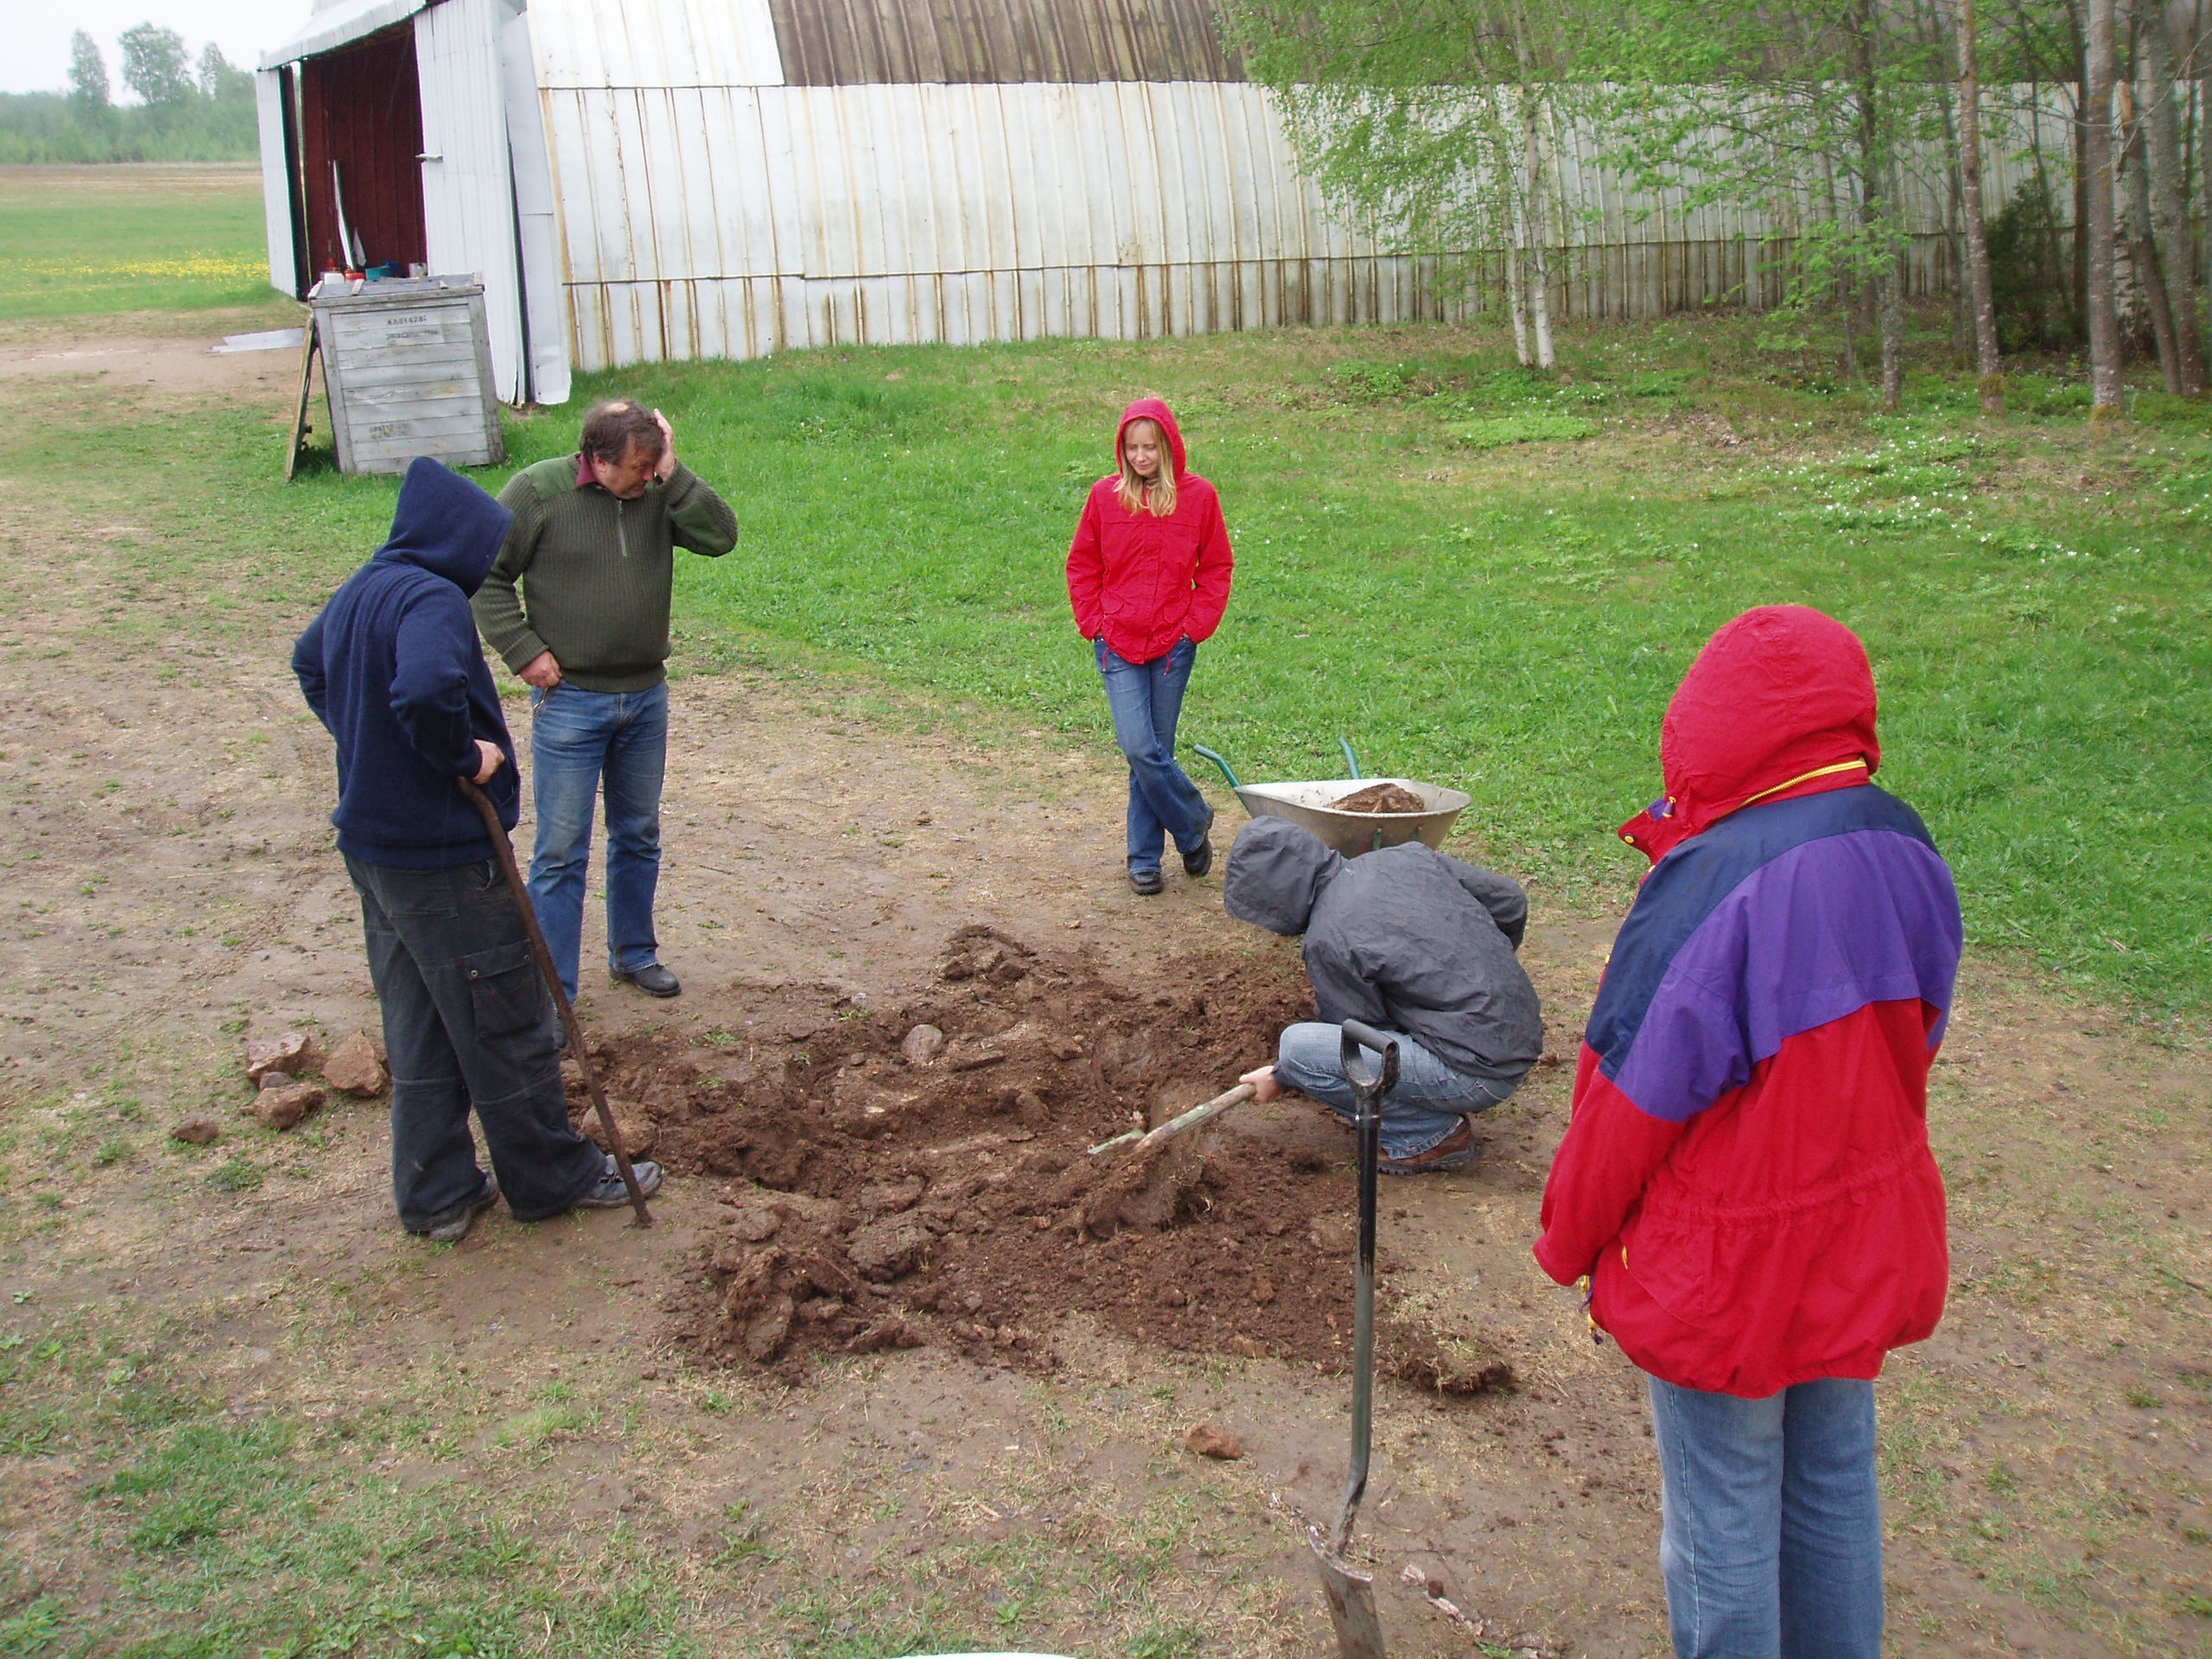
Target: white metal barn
(724,178)
(656,179)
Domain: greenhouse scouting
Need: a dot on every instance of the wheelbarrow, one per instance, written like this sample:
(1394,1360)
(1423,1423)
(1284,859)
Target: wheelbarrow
(1307,805)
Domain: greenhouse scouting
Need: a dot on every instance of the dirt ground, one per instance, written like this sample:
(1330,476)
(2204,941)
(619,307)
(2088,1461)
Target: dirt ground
(897,1258)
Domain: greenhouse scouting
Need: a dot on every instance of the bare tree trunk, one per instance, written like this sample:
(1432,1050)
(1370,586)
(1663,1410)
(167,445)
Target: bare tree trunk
(1955,237)
(1540,276)
(2133,206)
(2167,186)
(2096,176)
(1874,210)
(1980,300)
(1513,292)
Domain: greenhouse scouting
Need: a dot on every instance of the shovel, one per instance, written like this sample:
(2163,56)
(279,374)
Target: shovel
(1351,1594)
(505,850)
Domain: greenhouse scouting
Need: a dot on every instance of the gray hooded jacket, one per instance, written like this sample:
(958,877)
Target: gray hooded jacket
(1402,937)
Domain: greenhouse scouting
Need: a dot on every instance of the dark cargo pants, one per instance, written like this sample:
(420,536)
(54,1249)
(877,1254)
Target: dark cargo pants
(467,1024)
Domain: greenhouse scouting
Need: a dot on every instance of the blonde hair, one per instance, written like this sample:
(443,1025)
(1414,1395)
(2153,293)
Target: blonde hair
(1134,489)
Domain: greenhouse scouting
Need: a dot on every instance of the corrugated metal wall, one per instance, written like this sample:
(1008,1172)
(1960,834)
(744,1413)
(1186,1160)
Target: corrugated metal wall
(862,43)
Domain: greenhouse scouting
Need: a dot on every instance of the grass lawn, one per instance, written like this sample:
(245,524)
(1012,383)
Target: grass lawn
(79,241)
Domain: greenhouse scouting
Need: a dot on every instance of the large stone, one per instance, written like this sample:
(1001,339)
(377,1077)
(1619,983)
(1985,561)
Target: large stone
(354,1068)
(195,1131)
(283,1107)
(920,1046)
(289,1052)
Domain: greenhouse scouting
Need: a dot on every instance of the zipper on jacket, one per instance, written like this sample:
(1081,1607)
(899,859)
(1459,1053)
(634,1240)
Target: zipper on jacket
(622,536)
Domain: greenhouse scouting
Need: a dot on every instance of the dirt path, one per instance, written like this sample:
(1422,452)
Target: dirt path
(171,893)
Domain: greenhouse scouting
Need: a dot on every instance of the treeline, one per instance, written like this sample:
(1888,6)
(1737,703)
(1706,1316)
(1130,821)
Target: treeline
(1834,124)
(187,110)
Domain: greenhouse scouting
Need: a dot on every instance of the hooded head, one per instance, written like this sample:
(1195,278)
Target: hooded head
(1780,703)
(1151,409)
(447,524)
(1276,872)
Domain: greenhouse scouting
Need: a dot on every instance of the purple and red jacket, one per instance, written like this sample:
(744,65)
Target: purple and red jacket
(1747,1176)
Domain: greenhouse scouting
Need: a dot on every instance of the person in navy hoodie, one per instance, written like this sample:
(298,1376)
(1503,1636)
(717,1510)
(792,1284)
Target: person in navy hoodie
(1745,1183)
(392,669)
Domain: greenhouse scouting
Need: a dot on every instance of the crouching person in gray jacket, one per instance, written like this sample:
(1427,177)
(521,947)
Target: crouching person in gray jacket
(1415,944)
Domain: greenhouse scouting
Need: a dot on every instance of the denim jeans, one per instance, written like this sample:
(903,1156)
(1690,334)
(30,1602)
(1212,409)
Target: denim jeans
(1146,700)
(467,1025)
(1427,1105)
(581,741)
(1771,1536)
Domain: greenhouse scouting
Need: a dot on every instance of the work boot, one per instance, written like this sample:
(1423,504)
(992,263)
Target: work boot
(1147,882)
(654,980)
(451,1226)
(1453,1150)
(1196,864)
(608,1192)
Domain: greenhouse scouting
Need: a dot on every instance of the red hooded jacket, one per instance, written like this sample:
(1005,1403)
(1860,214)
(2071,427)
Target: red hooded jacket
(1746,1177)
(1140,581)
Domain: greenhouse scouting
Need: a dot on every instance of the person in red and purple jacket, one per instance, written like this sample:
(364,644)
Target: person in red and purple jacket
(1148,579)
(1746,1182)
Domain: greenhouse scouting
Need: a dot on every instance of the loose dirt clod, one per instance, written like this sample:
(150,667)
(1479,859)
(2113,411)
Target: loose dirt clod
(1212,1440)
(1380,798)
(875,1204)
(196,1131)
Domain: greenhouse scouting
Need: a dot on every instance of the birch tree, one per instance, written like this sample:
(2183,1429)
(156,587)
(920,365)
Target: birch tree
(2096,186)
(1982,301)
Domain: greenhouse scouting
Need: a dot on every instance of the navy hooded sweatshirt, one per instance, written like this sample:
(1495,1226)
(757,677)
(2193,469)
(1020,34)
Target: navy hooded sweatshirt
(393,669)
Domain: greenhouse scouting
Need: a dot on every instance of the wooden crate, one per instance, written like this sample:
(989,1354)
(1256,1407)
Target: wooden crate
(408,366)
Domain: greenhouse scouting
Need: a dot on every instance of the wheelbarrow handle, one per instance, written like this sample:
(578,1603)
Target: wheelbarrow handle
(1350,759)
(1221,760)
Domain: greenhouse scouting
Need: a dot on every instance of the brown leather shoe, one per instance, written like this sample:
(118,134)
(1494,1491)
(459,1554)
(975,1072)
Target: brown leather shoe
(1453,1150)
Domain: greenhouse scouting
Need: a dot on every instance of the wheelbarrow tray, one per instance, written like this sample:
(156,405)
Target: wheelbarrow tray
(1353,833)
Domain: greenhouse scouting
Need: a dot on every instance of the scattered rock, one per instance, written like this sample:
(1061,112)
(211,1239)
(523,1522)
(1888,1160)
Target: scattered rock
(195,1131)
(283,1108)
(1213,1441)
(354,1069)
(1029,1106)
(289,1052)
(921,1045)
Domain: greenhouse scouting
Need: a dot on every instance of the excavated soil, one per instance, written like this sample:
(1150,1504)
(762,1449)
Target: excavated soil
(1380,798)
(920,1173)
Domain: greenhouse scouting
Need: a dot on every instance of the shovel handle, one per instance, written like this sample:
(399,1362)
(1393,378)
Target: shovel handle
(505,849)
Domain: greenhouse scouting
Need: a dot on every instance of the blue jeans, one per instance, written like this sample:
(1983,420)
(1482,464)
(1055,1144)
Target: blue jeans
(468,1026)
(1146,700)
(579,742)
(1771,1535)
(1427,1105)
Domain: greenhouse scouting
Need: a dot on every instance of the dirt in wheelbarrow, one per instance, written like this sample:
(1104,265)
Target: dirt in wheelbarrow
(918,1172)
(1380,798)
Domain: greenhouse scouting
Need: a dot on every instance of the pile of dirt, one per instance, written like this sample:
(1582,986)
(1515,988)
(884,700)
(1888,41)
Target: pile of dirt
(1380,798)
(921,1173)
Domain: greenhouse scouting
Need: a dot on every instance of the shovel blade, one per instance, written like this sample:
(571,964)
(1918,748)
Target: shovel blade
(1351,1596)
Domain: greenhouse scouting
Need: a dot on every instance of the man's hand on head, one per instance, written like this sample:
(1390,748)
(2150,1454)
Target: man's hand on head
(542,671)
(488,753)
(667,467)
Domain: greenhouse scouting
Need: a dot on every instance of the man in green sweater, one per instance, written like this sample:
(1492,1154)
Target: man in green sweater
(592,550)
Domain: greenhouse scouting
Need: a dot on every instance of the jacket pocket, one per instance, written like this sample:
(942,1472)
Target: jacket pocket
(505,991)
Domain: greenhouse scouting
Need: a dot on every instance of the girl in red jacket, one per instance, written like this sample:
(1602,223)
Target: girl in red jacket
(1745,1181)
(1148,579)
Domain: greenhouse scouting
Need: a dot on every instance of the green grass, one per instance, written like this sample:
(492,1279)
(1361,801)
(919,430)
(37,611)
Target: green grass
(78,241)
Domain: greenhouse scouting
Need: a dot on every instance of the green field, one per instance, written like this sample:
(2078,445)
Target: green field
(80,241)
(1504,616)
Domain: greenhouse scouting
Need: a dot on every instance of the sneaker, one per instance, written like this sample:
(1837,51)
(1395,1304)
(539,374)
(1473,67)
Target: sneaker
(1453,1150)
(654,981)
(1147,882)
(451,1226)
(608,1193)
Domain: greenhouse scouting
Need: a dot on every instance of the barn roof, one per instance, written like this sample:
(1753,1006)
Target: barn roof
(866,42)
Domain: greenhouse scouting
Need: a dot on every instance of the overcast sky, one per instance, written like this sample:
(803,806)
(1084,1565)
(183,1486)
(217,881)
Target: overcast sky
(37,58)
